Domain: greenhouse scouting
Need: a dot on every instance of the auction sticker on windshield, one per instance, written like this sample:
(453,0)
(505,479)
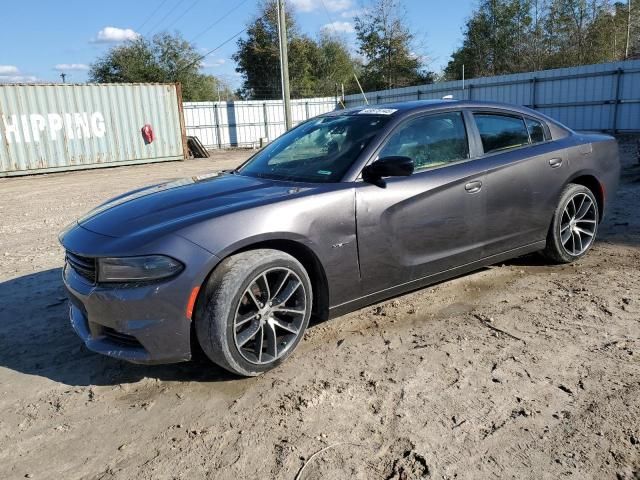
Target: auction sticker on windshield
(377,111)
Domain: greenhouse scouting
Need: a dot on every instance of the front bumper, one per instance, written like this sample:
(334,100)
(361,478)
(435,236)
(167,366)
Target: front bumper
(102,343)
(138,322)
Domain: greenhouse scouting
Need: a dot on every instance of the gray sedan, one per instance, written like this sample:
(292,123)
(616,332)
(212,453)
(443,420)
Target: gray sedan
(345,210)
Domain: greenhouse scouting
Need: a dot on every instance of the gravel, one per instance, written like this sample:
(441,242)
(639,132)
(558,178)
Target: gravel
(521,370)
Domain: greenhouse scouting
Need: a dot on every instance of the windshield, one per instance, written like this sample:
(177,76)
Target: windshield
(319,150)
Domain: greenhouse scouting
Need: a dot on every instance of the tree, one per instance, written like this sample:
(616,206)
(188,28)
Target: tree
(568,25)
(612,27)
(497,40)
(165,58)
(257,55)
(475,53)
(387,47)
(314,66)
(333,65)
(510,36)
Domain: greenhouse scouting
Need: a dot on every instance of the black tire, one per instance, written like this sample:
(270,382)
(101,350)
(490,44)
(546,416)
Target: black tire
(555,250)
(226,292)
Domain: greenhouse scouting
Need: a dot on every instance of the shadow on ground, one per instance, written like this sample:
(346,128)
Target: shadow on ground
(37,339)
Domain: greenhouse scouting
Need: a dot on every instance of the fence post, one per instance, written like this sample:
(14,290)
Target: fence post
(266,120)
(306,109)
(218,130)
(470,90)
(619,73)
(419,93)
(533,92)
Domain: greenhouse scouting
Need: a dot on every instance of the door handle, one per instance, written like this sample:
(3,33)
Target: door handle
(555,162)
(473,187)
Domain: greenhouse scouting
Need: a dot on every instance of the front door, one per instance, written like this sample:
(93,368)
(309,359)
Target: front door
(428,222)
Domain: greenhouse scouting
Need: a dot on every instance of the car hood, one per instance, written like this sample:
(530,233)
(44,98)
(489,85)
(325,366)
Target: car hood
(170,206)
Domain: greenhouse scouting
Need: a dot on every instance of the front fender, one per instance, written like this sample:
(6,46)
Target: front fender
(324,223)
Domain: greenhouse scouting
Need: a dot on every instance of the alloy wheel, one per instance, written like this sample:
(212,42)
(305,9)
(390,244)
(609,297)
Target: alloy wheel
(578,224)
(270,315)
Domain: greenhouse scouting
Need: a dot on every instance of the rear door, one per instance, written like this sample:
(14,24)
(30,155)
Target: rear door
(428,222)
(524,169)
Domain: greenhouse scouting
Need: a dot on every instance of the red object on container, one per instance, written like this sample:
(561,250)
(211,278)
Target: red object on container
(147,134)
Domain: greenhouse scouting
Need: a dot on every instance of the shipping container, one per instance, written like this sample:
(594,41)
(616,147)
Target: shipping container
(55,127)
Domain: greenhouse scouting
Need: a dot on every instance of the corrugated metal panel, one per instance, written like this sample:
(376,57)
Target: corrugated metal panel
(583,98)
(61,127)
(244,123)
(591,97)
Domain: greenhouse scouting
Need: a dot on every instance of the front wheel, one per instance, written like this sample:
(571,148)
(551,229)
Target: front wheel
(254,311)
(574,225)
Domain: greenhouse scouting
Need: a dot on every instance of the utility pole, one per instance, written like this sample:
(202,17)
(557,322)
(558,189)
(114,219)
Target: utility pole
(63,76)
(284,63)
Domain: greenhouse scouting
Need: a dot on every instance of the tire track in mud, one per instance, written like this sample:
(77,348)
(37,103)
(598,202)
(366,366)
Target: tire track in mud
(410,388)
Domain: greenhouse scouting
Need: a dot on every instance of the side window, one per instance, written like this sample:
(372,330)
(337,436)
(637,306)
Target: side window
(499,132)
(536,130)
(430,141)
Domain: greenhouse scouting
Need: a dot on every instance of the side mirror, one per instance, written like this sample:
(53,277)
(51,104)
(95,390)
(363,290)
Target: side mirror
(395,166)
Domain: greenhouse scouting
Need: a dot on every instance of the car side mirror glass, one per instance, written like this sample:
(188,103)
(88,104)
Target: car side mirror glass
(393,166)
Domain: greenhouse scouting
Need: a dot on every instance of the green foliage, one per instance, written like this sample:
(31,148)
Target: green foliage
(333,65)
(510,36)
(387,47)
(318,66)
(165,58)
(315,67)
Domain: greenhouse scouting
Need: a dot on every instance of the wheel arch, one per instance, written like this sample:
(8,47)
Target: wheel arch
(301,252)
(311,263)
(590,181)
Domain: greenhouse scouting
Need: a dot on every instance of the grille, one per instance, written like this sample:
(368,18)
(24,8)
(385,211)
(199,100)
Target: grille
(84,266)
(120,338)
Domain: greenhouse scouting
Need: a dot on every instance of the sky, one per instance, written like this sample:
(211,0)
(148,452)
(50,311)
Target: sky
(67,36)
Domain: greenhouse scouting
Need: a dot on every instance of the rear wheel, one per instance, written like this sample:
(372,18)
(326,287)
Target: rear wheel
(254,311)
(574,226)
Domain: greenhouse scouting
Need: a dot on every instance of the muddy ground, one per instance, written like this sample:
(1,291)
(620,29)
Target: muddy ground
(521,370)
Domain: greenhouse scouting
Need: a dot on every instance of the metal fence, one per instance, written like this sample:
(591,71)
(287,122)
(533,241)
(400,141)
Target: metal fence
(55,127)
(244,123)
(604,97)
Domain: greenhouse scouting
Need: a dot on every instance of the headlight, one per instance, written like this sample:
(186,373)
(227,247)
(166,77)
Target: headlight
(137,269)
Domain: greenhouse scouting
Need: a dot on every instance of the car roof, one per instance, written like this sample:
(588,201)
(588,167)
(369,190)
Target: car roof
(402,108)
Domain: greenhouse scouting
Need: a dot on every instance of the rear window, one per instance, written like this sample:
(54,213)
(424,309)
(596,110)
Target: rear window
(499,132)
(536,130)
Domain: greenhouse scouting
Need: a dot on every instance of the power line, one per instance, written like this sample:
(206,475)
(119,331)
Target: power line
(218,21)
(166,16)
(331,22)
(202,57)
(335,31)
(184,12)
(151,16)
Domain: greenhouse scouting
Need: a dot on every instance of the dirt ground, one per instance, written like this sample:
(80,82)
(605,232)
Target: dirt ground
(522,370)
